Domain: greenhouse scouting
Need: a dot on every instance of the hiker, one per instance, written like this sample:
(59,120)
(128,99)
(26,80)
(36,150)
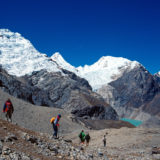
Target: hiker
(8,109)
(87,138)
(104,140)
(55,123)
(82,137)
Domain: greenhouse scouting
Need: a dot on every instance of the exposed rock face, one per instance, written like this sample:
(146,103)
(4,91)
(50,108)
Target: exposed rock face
(130,92)
(14,86)
(157,77)
(56,90)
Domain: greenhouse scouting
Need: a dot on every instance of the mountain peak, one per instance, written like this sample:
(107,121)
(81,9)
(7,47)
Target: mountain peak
(61,62)
(107,61)
(19,57)
(56,55)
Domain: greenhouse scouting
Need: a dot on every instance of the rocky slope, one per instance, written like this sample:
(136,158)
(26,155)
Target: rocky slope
(136,143)
(37,118)
(134,95)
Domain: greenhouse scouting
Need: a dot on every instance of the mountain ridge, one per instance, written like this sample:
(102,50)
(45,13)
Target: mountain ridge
(113,66)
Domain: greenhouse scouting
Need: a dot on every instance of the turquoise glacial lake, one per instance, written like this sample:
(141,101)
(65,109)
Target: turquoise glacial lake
(132,121)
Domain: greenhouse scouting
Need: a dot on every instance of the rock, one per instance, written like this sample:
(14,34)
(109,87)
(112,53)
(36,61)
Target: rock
(1,140)
(100,153)
(53,148)
(68,140)
(32,139)
(15,156)
(60,157)
(90,156)
(26,157)
(156,150)
(23,135)
(10,138)
(82,157)
(6,150)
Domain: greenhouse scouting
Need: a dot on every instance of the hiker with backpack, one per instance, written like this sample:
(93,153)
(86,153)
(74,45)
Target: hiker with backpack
(8,109)
(82,137)
(54,121)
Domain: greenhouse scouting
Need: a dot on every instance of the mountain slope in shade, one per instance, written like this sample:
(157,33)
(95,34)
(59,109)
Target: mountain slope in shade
(134,95)
(67,91)
(105,70)
(19,57)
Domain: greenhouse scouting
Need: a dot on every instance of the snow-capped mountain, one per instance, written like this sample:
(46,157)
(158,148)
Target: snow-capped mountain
(19,57)
(105,70)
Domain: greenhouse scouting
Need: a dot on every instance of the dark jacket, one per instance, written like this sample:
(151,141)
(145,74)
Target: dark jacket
(87,137)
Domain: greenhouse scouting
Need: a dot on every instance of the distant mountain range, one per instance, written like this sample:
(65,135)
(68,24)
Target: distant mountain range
(125,85)
(105,70)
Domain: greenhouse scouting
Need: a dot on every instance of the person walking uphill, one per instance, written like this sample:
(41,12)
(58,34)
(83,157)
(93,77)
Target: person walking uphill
(55,123)
(8,109)
(82,136)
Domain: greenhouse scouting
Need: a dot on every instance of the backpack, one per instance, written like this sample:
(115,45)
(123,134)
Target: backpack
(80,135)
(7,106)
(52,119)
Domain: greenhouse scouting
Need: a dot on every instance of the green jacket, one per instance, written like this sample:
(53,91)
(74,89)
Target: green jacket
(82,136)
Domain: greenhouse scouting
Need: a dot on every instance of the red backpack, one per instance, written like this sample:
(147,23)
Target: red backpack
(8,106)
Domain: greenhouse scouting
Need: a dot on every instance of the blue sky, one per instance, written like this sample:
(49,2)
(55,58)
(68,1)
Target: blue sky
(85,30)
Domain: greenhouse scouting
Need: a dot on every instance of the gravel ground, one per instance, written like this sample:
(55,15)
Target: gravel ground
(124,143)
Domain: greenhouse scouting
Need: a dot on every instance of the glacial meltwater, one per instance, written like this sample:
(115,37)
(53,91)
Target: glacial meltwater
(132,121)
